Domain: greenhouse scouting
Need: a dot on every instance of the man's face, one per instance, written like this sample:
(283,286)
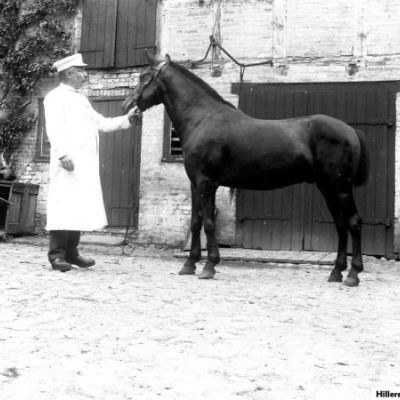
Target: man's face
(77,77)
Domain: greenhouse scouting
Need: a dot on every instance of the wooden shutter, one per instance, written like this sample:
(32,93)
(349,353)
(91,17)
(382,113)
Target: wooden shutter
(136,30)
(99,22)
(42,140)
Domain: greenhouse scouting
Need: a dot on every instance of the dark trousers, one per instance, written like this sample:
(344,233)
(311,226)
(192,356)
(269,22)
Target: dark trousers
(64,244)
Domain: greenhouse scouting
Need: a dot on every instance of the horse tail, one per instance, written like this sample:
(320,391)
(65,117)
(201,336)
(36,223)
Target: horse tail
(363,166)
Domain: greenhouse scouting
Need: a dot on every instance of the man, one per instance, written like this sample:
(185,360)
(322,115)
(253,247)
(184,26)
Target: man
(75,198)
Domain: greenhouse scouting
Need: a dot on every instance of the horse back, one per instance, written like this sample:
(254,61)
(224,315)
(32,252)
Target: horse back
(236,150)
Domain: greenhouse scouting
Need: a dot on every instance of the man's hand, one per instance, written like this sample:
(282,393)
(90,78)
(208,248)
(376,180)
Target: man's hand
(133,114)
(67,163)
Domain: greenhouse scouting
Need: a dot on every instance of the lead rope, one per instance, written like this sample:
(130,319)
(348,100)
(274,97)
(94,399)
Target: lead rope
(125,241)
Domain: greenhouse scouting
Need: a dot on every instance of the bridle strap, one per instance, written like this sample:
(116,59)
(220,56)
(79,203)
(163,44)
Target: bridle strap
(160,67)
(158,70)
(154,76)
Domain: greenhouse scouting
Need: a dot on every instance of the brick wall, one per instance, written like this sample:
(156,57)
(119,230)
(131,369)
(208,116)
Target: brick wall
(320,28)
(309,41)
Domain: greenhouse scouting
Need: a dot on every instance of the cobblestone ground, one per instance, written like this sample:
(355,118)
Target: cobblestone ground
(131,328)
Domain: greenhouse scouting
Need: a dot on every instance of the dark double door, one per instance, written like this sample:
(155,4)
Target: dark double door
(296,217)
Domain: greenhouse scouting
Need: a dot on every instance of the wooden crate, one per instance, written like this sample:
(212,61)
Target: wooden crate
(18,207)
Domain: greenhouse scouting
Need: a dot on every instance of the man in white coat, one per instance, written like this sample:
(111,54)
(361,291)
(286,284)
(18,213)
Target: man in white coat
(75,198)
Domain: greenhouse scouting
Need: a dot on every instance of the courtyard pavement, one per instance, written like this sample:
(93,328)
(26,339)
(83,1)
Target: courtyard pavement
(132,328)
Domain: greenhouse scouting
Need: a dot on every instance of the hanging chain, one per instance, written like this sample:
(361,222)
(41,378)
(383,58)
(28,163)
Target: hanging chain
(215,44)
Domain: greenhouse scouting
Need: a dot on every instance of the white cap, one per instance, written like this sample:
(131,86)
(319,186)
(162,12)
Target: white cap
(68,62)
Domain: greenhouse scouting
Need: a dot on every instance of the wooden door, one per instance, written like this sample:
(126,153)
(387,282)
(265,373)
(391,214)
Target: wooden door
(296,218)
(119,167)
(371,108)
(272,219)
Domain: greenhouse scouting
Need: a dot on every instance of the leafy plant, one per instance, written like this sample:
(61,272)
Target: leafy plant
(33,34)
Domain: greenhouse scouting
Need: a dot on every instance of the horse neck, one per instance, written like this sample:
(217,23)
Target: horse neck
(187,103)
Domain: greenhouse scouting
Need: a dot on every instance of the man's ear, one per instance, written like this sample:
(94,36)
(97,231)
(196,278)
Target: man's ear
(65,74)
(167,58)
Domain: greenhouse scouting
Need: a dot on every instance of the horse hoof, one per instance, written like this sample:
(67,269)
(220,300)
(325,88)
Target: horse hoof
(351,282)
(185,270)
(206,274)
(335,277)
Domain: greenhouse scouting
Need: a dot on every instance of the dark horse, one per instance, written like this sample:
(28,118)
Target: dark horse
(222,146)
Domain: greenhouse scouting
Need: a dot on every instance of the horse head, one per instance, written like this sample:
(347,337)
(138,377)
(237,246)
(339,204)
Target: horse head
(148,92)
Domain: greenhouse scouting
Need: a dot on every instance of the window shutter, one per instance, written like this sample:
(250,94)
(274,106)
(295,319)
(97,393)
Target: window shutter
(42,141)
(136,31)
(99,21)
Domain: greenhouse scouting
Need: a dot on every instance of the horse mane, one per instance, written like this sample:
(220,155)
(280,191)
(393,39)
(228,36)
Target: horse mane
(205,86)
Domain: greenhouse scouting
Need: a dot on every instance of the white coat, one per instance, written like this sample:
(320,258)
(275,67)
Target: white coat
(75,198)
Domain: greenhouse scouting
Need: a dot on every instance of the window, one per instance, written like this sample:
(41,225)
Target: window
(172,142)
(42,141)
(116,32)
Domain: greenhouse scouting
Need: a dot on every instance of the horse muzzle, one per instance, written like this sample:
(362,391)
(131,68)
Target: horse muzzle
(136,111)
(129,102)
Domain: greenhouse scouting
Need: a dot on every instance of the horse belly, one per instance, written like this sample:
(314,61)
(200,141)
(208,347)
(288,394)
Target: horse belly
(268,175)
(265,159)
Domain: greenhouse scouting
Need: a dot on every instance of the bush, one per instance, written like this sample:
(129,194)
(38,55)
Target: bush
(33,35)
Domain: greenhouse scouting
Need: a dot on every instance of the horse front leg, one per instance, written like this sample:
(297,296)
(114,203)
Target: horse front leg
(207,199)
(195,225)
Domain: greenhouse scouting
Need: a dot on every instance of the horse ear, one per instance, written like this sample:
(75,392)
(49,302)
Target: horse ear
(150,58)
(167,58)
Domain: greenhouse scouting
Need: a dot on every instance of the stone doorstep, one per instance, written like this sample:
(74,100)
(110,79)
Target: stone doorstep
(267,256)
(87,239)
(103,243)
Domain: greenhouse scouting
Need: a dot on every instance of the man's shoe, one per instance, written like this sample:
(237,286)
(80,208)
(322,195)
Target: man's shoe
(59,264)
(82,262)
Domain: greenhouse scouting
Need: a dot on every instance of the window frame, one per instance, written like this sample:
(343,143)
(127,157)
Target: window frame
(42,140)
(167,143)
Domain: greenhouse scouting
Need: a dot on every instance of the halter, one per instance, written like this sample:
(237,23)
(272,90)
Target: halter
(136,94)
(158,70)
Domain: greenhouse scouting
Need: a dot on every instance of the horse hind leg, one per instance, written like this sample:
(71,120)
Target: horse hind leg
(195,225)
(341,257)
(344,212)
(349,218)
(355,224)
